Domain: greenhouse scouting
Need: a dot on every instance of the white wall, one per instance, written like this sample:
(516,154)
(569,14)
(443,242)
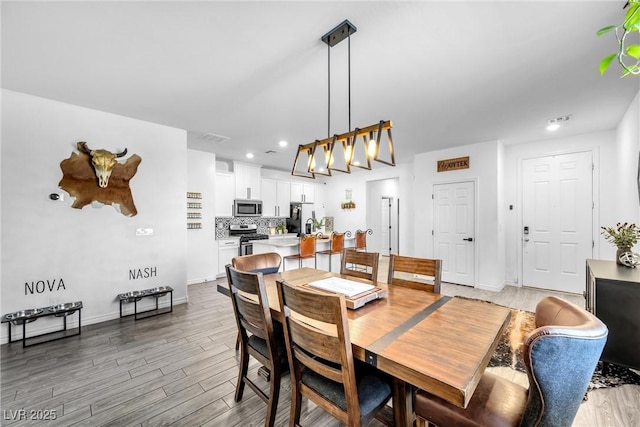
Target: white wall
(91,250)
(354,219)
(202,250)
(484,166)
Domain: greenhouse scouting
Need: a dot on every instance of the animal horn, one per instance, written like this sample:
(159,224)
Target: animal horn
(122,154)
(82,146)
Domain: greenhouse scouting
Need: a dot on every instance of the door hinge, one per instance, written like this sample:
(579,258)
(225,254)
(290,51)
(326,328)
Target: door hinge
(432,197)
(593,244)
(432,232)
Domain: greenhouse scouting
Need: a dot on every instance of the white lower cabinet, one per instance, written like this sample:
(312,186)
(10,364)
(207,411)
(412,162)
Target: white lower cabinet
(227,249)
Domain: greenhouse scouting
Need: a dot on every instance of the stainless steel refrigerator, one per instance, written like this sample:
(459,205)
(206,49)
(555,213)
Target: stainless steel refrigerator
(299,220)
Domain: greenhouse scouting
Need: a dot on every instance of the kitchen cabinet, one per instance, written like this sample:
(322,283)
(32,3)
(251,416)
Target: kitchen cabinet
(613,295)
(276,198)
(303,192)
(227,249)
(225,193)
(248,183)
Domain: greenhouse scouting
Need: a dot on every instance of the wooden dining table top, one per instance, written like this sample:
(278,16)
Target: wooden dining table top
(433,342)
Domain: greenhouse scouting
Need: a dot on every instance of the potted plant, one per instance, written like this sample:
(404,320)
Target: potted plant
(281,229)
(317,223)
(623,235)
(628,53)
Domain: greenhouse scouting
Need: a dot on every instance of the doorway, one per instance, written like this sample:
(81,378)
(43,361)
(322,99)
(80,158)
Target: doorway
(557,221)
(382,216)
(454,231)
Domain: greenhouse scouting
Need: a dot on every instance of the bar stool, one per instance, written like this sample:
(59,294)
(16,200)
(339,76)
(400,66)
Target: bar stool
(361,239)
(336,246)
(307,249)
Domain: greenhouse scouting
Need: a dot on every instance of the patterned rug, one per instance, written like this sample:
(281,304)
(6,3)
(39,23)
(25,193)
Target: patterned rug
(508,354)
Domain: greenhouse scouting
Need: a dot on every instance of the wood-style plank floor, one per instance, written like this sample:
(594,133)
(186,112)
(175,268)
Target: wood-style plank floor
(180,369)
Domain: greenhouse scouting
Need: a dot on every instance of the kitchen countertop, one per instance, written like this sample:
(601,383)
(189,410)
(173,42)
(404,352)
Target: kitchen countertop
(290,241)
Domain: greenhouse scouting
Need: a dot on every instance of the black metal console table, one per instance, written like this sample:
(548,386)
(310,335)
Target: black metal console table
(135,296)
(31,315)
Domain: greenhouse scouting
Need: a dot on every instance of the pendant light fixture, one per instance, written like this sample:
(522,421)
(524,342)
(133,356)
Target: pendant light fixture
(354,148)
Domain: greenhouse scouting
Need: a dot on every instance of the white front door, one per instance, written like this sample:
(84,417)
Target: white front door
(454,231)
(557,212)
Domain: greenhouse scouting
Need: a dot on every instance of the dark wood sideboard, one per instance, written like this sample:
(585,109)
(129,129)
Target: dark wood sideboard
(613,295)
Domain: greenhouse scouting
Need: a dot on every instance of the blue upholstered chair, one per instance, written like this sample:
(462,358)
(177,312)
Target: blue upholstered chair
(560,356)
(321,362)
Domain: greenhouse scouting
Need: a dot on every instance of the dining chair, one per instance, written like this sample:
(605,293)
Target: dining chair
(360,264)
(410,266)
(321,362)
(266,263)
(560,356)
(361,239)
(258,336)
(307,250)
(336,246)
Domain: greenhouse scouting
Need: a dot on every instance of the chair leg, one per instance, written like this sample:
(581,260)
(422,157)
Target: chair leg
(238,341)
(296,402)
(274,395)
(244,365)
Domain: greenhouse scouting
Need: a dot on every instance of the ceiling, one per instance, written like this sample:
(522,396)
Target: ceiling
(446,73)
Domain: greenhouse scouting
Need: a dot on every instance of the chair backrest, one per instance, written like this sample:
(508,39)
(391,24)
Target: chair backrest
(361,238)
(266,263)
(337,242)
(251,307)
(412,265)
(560,356)
(316,333)
(353,260)
(307,245)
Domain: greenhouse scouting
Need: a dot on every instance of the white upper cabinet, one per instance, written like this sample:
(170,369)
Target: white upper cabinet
(225,193)
(302,192)
(276,197)
(248,181)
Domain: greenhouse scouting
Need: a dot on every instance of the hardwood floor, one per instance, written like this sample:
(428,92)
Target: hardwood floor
(180,369)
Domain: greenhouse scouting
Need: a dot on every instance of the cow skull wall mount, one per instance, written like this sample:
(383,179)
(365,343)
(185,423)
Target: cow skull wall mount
(103,162)
(96,176)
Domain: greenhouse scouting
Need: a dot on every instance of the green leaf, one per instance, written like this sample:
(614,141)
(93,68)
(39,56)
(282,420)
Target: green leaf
(604,64)
(605,30)
(632,17)
(631,70)
(634,50)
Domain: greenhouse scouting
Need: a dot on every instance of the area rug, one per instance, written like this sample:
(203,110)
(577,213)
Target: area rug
(508,354)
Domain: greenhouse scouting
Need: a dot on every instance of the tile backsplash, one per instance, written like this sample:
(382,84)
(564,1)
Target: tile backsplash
(263,223)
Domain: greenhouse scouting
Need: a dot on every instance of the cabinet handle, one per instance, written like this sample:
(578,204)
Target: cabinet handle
(249,193)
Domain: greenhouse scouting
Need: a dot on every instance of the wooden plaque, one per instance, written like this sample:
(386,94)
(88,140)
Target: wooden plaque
(453,164)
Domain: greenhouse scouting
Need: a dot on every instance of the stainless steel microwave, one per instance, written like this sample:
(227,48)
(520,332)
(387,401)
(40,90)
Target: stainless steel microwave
(247,207)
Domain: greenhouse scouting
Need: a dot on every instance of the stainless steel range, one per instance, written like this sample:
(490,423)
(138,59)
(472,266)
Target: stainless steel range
(247,233)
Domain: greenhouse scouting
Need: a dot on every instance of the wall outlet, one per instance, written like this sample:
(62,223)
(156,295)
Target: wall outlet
(144,231)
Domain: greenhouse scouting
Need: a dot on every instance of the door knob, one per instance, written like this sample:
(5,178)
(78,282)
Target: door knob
(469,239)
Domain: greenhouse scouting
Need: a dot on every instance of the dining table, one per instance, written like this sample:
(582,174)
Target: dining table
(423,340)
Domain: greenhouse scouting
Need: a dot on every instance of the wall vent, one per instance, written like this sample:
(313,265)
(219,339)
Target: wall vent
(270,152)
(213,138)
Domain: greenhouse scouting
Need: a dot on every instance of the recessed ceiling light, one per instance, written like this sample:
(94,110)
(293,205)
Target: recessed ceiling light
(554,124)
(283,143)
(249,155)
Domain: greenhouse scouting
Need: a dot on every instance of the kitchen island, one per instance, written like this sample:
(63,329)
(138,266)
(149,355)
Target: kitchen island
(287,245)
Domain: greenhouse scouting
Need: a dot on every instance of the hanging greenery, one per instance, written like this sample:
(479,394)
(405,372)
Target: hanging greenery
(628,54)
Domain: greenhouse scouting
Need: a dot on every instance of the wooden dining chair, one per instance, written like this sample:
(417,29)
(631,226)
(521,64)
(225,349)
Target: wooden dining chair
(258,336)
(336,246)
(560,356)
(360,264)
(266,263)
(321,362)
(361,239)
(408,266)
(307,250)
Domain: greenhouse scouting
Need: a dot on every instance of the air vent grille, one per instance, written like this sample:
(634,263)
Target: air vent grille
(213,138)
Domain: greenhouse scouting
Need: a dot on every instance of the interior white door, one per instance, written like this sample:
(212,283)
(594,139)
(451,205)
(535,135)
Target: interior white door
(385,226)
(454,231)
(557,220)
